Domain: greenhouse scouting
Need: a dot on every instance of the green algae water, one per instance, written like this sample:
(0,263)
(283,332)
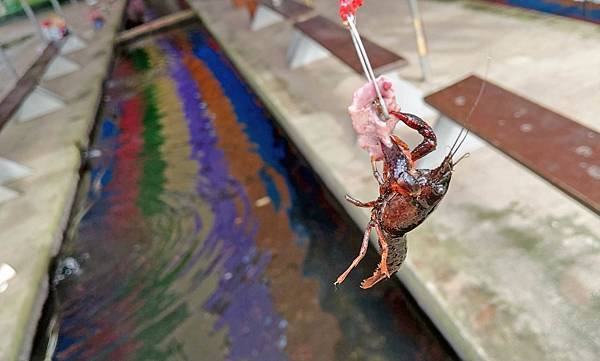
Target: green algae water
(207,237)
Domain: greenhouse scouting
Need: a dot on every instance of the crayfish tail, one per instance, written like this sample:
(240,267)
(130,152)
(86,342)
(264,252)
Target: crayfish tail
(373,280)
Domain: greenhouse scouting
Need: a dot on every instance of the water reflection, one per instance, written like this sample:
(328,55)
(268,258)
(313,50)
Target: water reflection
(207,238)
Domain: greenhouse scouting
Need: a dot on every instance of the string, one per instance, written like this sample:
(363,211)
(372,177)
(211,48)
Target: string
(366,64)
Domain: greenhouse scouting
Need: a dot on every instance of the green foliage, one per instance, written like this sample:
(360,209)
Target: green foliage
(14,6)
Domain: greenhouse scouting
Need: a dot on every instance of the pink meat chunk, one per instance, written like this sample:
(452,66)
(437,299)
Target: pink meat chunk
(370,128)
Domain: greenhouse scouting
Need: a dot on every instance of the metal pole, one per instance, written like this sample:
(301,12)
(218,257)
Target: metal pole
(31,16)
(421,39)
(58,9)
(9,65)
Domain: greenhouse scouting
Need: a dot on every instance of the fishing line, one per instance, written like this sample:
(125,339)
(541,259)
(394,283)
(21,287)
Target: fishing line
(366,64)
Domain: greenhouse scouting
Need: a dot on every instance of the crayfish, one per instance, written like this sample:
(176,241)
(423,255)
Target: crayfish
(407,195)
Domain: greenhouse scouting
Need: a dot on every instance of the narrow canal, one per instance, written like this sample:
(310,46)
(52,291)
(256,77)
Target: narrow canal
(207,237)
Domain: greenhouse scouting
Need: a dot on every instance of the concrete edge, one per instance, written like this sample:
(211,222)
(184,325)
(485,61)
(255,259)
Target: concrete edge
(33,303)
(425,296)
(23,343)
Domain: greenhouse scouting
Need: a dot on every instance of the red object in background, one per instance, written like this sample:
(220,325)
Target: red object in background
(54,28)
(349,7)
(251,6)
(95,14)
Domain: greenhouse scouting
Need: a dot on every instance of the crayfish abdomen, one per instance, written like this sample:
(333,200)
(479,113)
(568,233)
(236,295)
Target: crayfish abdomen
(399,215)
(396,254)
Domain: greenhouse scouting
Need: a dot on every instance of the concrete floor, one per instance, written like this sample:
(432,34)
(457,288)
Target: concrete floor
(508,266)
(549,59)
(32,225)
(22,46)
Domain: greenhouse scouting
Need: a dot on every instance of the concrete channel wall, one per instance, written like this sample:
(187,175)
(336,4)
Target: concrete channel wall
(496,267)
(51,146)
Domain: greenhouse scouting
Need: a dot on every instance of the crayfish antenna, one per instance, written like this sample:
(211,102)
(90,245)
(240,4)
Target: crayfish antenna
(464,156)
(464,132)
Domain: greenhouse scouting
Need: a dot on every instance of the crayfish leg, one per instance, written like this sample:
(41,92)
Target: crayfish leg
(358,203)
(402,144)
(361,255)
(384,251)
(376,173)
